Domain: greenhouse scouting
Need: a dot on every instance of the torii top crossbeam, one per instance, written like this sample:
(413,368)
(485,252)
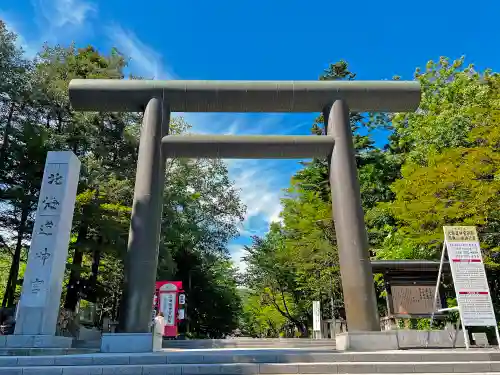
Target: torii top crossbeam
(244,96)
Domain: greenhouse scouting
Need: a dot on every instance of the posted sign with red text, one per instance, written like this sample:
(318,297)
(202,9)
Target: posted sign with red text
(469,276)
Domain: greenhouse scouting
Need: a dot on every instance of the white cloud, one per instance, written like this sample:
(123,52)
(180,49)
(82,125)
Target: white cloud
(13,26)
(56,21)
(144,59)
(66,14)
(258,180)
(237,252)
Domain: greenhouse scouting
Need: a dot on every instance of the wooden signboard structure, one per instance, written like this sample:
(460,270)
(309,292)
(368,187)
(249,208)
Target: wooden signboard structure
(469,279)
(410,286)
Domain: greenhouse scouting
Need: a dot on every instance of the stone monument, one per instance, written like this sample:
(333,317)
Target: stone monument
(38,308)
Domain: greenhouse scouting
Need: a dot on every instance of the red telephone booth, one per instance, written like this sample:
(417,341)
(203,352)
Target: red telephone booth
(166,300)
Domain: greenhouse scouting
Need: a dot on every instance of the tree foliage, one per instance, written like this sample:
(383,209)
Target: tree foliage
(297,260)
(202,208)
(440,166)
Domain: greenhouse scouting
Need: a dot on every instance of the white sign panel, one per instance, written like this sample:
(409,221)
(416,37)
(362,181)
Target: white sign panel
(168,307)
(469,276)
(181,314)
(182,299)
(316,316)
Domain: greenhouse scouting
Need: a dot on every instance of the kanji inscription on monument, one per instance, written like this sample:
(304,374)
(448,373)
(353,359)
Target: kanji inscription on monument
(55,178)
(43,255)
(41,293)
(46,228)
(49,205)
(36,285)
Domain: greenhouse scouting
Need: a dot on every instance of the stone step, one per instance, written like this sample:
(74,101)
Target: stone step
(89,344)
(265,356)
(213,344)
(249,343)
(45,351)
(268,369)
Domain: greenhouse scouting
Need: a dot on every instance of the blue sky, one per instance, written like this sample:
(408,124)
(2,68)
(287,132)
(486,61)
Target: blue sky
(260,40)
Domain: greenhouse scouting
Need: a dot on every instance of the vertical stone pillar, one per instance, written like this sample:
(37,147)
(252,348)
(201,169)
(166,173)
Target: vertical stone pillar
(145,223)
(352,240)
(38,309)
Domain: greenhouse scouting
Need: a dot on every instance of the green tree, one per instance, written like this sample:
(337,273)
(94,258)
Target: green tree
(21,185)
(450,149)
(23,146)
(308,251)
(454,99)
(201,213)
(14,86)
(260,320)
(450,173)
(105,143)
(270,272)
(213,303)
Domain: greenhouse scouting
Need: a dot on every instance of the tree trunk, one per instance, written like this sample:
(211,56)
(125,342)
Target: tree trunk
(10,290)
(6,132)
(73,295)
(96,259)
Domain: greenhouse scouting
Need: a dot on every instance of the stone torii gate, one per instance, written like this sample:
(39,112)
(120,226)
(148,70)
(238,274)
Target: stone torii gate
(159,98)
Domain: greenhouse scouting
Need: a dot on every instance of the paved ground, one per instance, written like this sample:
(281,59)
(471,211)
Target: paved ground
(239,350)
(319,350)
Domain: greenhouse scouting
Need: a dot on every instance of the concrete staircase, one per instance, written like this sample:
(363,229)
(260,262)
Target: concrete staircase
(253,361)
(250,343)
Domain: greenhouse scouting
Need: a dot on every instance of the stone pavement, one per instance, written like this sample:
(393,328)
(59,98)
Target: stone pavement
(255,361)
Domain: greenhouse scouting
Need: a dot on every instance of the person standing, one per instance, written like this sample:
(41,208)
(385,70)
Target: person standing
(158,329)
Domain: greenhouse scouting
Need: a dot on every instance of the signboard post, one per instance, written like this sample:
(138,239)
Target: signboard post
(317,319)
(469,279)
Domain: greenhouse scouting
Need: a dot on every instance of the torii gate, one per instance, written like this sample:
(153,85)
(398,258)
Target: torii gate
(159,98)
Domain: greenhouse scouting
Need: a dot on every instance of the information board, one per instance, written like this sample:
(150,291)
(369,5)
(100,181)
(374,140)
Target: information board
(316,316)
(414,299)
(469,276)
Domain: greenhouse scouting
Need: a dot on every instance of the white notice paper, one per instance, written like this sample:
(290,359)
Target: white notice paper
(316,316)
(168,307)
(469,276)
